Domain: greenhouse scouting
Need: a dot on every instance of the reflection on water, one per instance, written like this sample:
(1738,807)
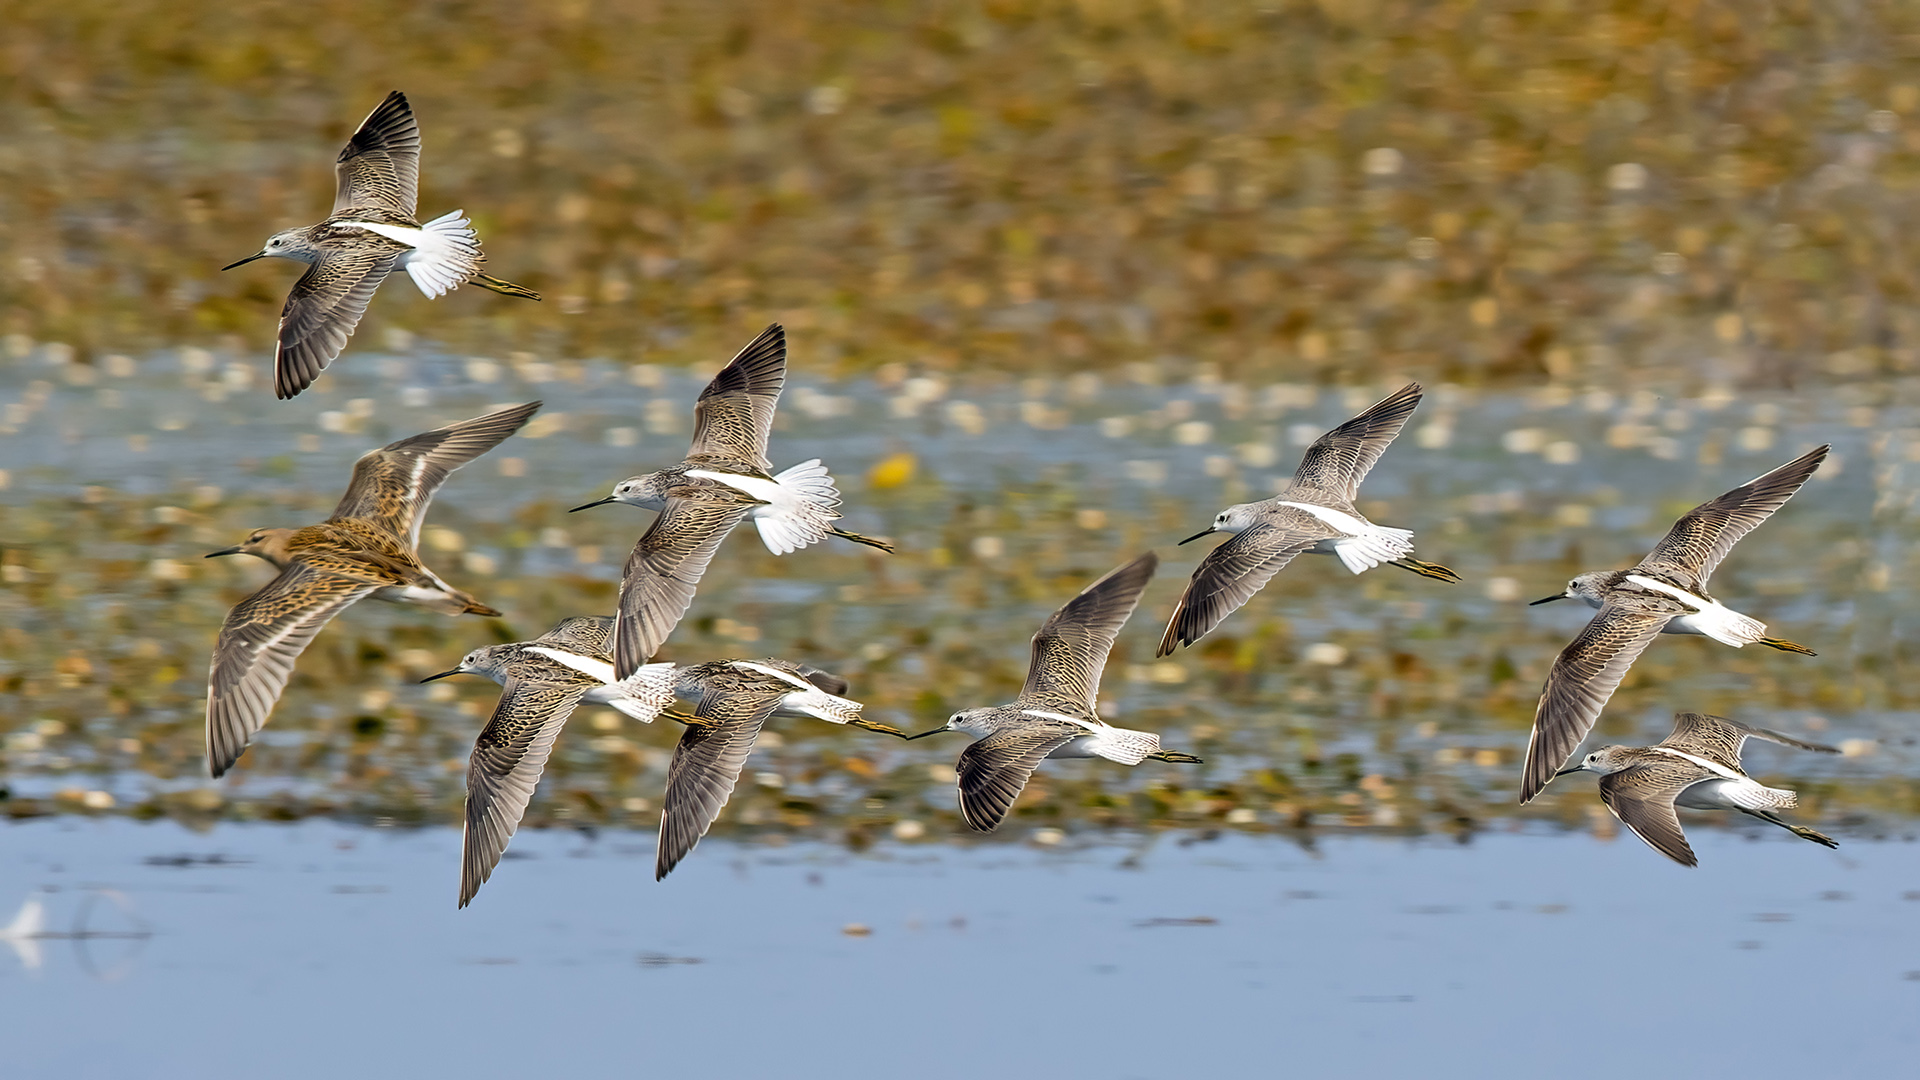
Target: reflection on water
(1382,702)
(321,948)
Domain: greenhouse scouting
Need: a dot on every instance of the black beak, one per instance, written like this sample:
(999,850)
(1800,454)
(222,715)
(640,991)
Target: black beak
(1197,535)
(924,734)
(591,505)
(243,262)
(1569,770)
(442,675)
(222,551)
(1547,600)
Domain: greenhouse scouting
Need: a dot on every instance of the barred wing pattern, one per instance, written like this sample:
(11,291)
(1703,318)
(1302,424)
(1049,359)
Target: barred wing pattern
(1705,535)
(253,659)
(380,165)
(392,485)
(1070,650)
(1341,458)
(733,419)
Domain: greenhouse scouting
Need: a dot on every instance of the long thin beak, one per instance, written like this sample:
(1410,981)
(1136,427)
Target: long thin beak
(442,675)
(924,734)
(243,262)
(222,551)
(1547,599)
(591,505)
(1571,769)
(1197,535)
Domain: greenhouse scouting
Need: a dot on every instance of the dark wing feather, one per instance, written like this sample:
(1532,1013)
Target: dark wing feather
(1720,740)
(734,416)
(380,166)
(1700,539)
(665,568)
(506,764)
(707,763)
(254,656)
(392,485)
(995,770)
(1584,676)
(825,680)
(1231,573)
(1070,650)
(322,310)
(1341,458)
(1642,797)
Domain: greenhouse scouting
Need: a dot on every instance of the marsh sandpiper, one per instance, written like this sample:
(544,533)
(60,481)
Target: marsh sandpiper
(1057,712)
(1314,514)
(371,233)
(1698,767)
(538,694)
(369,547)
(1666,593)
(726,477)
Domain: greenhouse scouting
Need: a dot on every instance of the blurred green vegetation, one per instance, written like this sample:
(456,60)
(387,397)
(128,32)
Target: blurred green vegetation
(1690,191)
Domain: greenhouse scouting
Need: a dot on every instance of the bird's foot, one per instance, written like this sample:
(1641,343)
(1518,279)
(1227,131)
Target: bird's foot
(1820,838)
(1785,646)
(870,541)
(1177,758)
(875,725)
(1428,570)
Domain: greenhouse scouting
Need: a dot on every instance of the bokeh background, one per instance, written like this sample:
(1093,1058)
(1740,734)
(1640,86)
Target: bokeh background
(1061,279)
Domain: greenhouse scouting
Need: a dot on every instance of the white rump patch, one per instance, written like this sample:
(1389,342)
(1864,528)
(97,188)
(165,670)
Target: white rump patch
(1710,618)
(1366,545)
(445,255)
(799,504)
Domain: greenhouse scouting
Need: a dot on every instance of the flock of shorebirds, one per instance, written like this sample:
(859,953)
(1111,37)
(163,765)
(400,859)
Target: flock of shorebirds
(369,547)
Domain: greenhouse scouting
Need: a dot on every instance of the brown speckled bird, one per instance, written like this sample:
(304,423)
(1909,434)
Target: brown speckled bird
(369,547)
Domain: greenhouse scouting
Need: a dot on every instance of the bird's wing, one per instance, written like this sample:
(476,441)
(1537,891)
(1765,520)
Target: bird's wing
(1584,676)
(588,635)
(253,658)
(826,681)
(707,763)
(1642,797)
(994,770)
(734,416)
(1341,458)
(1720,740)
(1231,573)
(1705,534)
(380,166)
(1070,650)
(325,305)
(392,485)
(506,764)
(665,568)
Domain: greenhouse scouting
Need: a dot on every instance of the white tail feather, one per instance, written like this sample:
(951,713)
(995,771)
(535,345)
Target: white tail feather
(803,511)
(1375,545)
(1124,745)
(445,255)
(822,706)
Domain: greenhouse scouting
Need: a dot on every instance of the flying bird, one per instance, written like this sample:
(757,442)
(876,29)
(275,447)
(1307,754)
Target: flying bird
(371,233)
(1698,767)
(538,693)
(725,478)
(369,547)
(1313,515)
(1665,594)
(1057,712)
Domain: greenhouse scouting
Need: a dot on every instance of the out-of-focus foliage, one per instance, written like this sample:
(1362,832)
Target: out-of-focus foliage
(1712,191)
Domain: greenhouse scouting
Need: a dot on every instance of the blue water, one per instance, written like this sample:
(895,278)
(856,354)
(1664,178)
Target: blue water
(323,950)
